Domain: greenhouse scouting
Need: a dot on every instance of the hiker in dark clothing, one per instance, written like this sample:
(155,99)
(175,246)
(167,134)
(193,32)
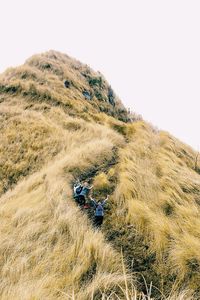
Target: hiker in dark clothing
(81,191)
(99,211)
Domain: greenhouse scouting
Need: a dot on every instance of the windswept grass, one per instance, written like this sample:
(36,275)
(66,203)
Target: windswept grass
(51,135)
(157,197)
(51,251)
(41,79)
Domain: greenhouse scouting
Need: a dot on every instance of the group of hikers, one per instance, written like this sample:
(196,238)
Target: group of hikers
(82,195)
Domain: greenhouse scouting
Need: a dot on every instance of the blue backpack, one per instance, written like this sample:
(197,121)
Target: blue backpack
(79,189)
(99,210)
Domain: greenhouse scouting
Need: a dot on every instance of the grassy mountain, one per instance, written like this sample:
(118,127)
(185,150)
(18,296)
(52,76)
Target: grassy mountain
(61,121)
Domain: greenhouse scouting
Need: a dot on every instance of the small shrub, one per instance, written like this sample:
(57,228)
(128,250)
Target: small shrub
(193,265)
(95,81)
(10,89)
(98,95)
(46,66)
(168,209)
(120,128)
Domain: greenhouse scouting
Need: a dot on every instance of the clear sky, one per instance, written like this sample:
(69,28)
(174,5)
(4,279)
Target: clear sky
(149,50)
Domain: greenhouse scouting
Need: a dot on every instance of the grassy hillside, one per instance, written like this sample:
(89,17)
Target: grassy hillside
(61,121)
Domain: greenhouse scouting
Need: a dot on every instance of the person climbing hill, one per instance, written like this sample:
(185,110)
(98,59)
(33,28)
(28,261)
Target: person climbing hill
(81,191)
(99,211)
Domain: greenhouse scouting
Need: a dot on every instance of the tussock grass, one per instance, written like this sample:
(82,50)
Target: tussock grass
(42,78)
(51,135)
(157,194)
(43,219)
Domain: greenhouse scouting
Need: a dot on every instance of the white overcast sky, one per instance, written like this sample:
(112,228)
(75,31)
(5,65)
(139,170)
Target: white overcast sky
(149,50)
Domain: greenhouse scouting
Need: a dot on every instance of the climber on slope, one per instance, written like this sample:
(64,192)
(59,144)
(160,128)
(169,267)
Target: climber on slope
(99,211)
(81,191)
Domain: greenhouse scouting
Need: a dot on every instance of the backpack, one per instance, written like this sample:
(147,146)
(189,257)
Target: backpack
(79,189)
(99,210)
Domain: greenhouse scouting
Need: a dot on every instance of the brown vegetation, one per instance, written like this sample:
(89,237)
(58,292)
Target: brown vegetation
(51,134)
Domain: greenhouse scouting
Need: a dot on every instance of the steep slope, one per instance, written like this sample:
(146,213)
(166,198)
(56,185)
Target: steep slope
(157,197)
(60,120)
(29,96)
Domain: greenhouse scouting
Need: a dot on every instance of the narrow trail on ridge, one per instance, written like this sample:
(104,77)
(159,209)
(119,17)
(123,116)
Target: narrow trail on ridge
(138,259)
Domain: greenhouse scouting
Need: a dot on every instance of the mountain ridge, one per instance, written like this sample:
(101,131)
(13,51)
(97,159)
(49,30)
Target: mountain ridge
(60,120)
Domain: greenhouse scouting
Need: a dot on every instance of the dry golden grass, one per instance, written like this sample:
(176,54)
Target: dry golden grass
(49,136)
(158,193)
(52,255)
